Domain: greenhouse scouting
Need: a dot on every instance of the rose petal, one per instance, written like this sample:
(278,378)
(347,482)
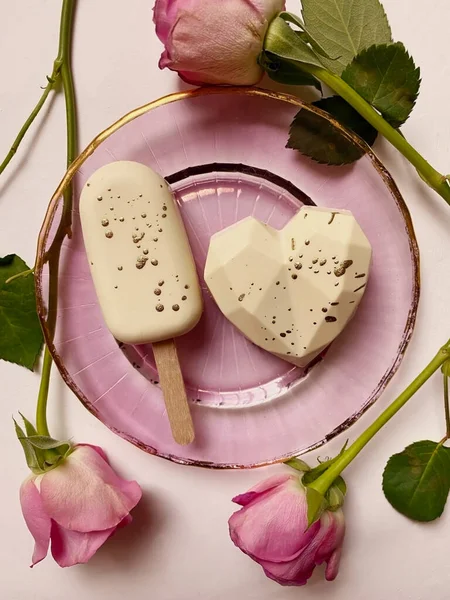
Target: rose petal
(262,487)
(96,448)
(333,565)
(164,17)
(84,494)
(333,538)
(73,548)
(273,529)
(322,547)
(36,519)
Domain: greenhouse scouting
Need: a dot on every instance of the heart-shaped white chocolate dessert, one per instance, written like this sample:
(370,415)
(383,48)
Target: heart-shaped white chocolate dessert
(292,291)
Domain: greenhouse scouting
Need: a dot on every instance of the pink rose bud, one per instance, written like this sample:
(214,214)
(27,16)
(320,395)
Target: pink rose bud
(272,529)
(77,506)
(214,41)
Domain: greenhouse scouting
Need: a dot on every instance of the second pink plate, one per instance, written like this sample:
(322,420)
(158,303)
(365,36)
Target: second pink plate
(223,152)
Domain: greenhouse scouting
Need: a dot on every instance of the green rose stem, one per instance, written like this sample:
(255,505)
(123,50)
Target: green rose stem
(447,408)
(433,178)
(61,71)
(324,481)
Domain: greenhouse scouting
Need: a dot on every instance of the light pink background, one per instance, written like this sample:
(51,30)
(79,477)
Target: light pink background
(178,547)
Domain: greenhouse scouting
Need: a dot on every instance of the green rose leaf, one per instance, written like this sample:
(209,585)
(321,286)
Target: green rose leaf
(316,137)
(344,28)
(387,78)
(416,481)
(20,332)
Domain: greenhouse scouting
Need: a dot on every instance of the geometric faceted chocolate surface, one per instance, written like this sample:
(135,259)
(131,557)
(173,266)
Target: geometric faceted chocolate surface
(291,292)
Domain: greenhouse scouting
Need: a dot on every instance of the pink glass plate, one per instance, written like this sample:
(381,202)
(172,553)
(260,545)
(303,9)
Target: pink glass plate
(223,151)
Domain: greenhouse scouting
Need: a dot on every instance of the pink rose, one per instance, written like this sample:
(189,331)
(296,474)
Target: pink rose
(272,529)
(77,506)
(214,41)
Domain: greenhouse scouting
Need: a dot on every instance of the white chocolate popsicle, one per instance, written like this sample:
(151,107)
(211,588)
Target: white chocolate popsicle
(291,292)
(143,271)
(141,262)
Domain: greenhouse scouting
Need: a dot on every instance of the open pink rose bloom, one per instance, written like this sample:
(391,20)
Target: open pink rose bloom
(215,41)
(272,529)
(76,506)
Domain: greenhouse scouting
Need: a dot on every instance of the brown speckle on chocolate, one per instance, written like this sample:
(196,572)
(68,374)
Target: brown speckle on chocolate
(141,262)
(241,297)
(137,237)
(330,319)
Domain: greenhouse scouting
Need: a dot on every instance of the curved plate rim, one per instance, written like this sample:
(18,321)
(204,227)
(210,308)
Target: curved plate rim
(248,91)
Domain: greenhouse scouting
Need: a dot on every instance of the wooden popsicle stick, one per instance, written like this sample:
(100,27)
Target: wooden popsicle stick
(174,391)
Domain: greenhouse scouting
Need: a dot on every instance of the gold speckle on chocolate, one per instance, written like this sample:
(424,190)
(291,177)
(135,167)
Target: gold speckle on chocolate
(109,234)
(154,262)
(159,307)
(105,222)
